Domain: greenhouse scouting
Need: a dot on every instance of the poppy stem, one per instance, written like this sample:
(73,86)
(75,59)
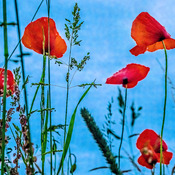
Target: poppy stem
(164,109)
(152,171)
(123,126)
(5,87)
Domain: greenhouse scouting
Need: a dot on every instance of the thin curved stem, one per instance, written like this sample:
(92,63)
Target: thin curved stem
(123,126)
(164,108)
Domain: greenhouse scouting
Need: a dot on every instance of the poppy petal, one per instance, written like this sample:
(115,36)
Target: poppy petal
(132,73)
(136,72)
(10,82)
(148,34)
(148,136)
(169,44)
(167,156)
(33,37)
(141,160)
(59,47)
(146,30)
(138,50)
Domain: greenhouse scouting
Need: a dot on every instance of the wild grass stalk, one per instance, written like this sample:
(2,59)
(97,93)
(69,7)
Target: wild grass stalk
(101,141)
(5,85)
(43,111)
(49,88)
(24,79)
(20,38)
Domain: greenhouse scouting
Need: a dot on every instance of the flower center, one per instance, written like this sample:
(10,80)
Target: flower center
(125,81)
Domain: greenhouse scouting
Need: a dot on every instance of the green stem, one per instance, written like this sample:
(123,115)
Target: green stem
(68,86)
(23,158)
(164,108)
(67,90)
(123,126)
(5,85)
(152,172)
(23,78)
(55,164)
(49,82)
(21,56)
(20,38)
(50,117)
(43,112)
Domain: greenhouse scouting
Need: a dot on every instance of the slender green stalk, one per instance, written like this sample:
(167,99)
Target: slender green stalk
(43,112)
(5,86)
(152,172)
(67,91)
(164,108)
(123,126)
(45,128)
(34,97)
(23,78)
(23,158)
(55,164)
(49,82)
(20,38)
(68,86)
(50,117)
(21,56)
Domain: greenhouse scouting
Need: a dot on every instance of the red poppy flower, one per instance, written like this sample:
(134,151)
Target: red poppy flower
(149,34)
(129,76)
(10,82)
(149,145)
(34,33)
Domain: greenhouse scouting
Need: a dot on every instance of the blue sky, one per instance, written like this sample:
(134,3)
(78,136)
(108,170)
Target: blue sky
(106,35)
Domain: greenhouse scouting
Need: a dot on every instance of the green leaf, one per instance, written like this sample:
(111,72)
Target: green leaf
(26,81)
(54,127)
(52,152)
(16,127)
(133,135)
(70,130)
(102,167)
(112,133)
(67,20)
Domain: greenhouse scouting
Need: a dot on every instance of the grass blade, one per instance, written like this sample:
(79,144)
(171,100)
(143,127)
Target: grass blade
(70,130)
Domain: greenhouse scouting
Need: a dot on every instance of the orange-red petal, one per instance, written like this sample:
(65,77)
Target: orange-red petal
(167,156)
(141,160)
(147,31)
(132,73)
(169,44)
(138,50)
(10,82)
(147,137)
(37,30)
